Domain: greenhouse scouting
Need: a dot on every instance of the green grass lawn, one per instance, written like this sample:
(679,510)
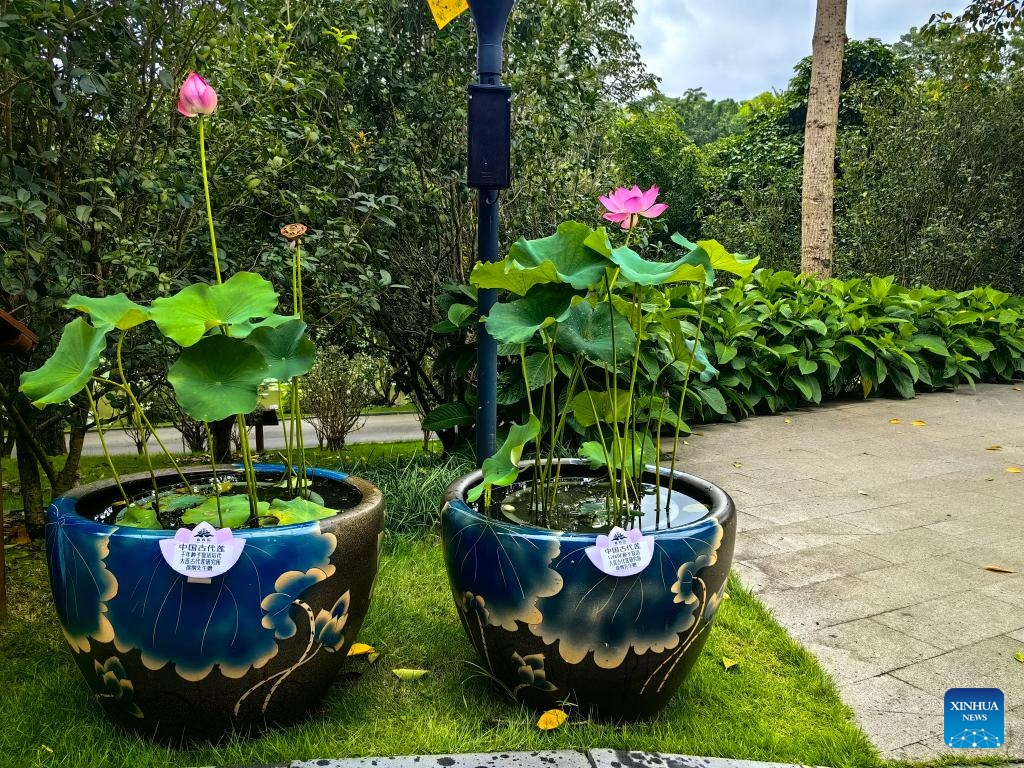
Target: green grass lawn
(775,704)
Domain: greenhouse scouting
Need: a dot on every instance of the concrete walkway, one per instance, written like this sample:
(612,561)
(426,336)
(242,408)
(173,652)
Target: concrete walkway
(869,541)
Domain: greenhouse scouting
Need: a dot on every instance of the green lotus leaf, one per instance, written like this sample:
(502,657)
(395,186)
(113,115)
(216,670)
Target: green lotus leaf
(234,511)
(242,330)
(502,468)
(682,241)
(286,348)
(589,408)
(734,264)
(636,269)
(218,377)
(195,309)
(69,368)
(298,510)
(117,311)
(138,517)
(586,330)
(509,275)
(517,321)
(180,501)
(628,456)
(598,241)
(575,263)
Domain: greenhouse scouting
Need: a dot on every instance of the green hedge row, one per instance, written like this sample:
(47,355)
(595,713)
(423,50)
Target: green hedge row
(781,340)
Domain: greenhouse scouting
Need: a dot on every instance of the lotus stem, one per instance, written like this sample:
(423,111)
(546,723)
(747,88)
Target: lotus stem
(206,194)
(213,468)
(682,397)
(103,443)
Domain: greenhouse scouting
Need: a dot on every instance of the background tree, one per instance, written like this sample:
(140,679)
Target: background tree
(820,137)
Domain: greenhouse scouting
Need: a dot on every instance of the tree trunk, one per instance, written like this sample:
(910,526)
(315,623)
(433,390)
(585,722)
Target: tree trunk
(221,433)
(31,487)
(820,137)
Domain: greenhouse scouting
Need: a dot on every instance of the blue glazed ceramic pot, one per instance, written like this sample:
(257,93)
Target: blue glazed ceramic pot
(179,660)
(551,626)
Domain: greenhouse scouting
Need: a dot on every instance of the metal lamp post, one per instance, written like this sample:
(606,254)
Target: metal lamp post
(489,171)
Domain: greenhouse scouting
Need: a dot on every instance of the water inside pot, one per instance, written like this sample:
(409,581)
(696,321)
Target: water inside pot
(585,505)
(328,493)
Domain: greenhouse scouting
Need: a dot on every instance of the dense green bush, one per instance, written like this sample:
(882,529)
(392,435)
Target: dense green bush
(780,341)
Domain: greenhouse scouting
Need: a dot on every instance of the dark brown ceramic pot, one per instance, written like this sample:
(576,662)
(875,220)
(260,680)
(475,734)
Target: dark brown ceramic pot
(178,659)
(553,626)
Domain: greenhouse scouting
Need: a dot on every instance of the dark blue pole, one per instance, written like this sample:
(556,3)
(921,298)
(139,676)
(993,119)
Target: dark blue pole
(490,18)
(486,347)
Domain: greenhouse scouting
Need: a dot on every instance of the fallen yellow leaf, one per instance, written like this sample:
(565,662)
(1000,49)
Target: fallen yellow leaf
(737,464)
(553,718)
(998,569)
(1016,389)
(1014,470)
(862,493)
(410,674)
(726,596)
(994,448)
(372,657)
(1019,656)
(360,649)
(919,423)
(894,421)
(787,421)
(728,663)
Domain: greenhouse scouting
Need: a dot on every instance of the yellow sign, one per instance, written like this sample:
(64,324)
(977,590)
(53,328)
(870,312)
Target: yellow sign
(446,10)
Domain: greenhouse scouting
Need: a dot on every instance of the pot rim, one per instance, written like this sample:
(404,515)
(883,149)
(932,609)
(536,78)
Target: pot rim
(67,503)
(722,509)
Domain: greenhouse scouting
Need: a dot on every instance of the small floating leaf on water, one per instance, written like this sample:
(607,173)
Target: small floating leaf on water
(919,423)
(410,674)
(1014,470)
(234,511)
(998,569)
(182,501)
(361,649)
(894,421)
(1019,656)
(138,517)
(994,448)
(553,718)
(728,663)
(299,510)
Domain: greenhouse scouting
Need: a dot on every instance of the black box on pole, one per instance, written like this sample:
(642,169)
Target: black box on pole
(490,136)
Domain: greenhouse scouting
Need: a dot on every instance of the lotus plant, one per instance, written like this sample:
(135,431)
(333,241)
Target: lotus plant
(231,339)
(590,319)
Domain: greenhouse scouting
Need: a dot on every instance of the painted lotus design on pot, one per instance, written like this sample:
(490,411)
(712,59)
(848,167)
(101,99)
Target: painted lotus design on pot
(619,646)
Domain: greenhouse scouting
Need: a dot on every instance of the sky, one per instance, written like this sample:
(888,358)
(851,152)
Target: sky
(740,48)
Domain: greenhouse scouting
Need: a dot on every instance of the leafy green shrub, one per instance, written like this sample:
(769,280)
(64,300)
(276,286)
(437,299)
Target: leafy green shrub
(336,391)
(779,341)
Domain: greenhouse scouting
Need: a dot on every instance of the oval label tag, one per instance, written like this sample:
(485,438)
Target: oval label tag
(622,553)
(203,552)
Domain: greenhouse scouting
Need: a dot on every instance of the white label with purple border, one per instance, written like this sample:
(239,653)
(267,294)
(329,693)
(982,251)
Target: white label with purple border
(622,553)
(203,552)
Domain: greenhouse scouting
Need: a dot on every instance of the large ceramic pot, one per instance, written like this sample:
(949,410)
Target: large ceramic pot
(552,626)
(179,659)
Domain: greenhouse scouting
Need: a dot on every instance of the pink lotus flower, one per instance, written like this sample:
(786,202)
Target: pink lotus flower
(626,205)
(196,97)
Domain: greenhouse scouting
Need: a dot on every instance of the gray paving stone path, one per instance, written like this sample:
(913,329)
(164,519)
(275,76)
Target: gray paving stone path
(594,758)
(869,539)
